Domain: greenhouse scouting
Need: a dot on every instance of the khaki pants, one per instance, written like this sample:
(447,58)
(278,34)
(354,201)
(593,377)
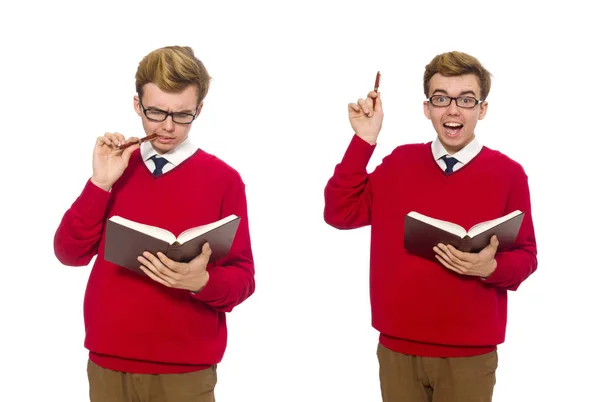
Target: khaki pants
(405,378)
(114,386)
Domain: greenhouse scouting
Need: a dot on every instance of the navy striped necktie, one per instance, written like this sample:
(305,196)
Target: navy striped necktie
(159,163)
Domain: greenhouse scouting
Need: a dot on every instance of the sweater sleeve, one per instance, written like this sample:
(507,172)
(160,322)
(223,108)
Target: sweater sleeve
(348,193)
(520,261)
(78,235)
(231,279)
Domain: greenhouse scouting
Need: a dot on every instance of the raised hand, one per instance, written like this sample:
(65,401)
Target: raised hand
(108,162)
(366,117)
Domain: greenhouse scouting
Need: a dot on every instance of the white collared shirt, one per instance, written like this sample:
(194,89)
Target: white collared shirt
(174,157)
(463,156)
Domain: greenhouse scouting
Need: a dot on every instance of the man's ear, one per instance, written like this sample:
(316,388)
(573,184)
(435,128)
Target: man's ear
(137,106)
(426,109)
(482,110)
(199,108)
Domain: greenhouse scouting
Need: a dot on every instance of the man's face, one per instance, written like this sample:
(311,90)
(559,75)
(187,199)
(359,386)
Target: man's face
(455,126)
(155,101)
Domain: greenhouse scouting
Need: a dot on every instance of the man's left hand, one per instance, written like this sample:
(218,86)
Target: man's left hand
(190,276)
(480,264)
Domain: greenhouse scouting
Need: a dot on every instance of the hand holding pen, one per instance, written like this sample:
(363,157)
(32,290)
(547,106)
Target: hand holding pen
(366,117)
(111,156)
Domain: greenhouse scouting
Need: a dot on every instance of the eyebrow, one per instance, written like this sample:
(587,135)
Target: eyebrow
(187,111)
(469,92)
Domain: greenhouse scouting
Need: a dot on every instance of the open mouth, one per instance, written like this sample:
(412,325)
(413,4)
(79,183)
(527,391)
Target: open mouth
(452,128)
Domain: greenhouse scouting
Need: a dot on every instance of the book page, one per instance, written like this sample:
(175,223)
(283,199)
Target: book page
(150,230)
(444,225)
(483,226)
(198,230)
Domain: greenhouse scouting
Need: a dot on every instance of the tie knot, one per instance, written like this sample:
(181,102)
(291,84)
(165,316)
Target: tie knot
(450,162)
(159,163)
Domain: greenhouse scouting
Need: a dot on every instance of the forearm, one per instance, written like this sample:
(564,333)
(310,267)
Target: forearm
(228,285)
(231,279)
(512,268)
(348,191)
(79,232)
(517,263)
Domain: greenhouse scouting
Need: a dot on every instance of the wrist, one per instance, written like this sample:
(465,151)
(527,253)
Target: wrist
(370,139)
(490,271)
(103,186)
(205,279)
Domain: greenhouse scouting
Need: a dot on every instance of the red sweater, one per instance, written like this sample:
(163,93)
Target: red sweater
(132,323)
(419,306)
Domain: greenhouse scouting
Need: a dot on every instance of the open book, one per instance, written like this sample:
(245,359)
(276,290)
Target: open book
(126,240)
(422,233)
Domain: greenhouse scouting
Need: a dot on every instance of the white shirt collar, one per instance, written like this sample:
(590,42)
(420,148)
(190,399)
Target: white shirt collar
(468,152)
(175,156)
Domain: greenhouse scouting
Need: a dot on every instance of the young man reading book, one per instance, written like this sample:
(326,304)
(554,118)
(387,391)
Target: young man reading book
(158,334)
(440,319)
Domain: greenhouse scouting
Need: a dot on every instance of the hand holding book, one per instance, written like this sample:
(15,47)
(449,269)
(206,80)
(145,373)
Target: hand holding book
(127,240)
(422,233)
(480,264)
(191,276)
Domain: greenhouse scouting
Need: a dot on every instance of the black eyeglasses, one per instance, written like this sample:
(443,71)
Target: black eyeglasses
(160,115)
(466,102)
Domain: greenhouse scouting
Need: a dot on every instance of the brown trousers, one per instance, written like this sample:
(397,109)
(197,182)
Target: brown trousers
(406,378)
(115,386)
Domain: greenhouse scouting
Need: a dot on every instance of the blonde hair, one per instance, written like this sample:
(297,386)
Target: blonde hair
(452,64)
(172,69)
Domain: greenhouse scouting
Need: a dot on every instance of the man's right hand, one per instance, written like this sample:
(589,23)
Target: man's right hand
(366,117)
(108,162)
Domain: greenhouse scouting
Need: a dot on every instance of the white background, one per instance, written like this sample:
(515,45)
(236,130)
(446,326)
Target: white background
(282,77)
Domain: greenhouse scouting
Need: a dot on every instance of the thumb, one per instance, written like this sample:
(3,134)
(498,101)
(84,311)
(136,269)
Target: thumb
(206,250)
(494,242)
(129,150)
(204,256)
(378,105)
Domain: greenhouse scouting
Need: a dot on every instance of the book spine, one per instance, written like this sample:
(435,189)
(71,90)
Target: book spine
(465,244)
(174,253)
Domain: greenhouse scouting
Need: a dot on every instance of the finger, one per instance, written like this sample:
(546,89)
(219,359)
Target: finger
(366,108)
(206,250)
(353,107)
(442,254)
(452,260)
(204,256)
(447,265)
(378,106)
(129,150)
(154,277)
(104,141)
(171,265)
(461,255)
(161,269)
(111,139)
(121,138)
(373,97)
(494,242)
(458,256)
